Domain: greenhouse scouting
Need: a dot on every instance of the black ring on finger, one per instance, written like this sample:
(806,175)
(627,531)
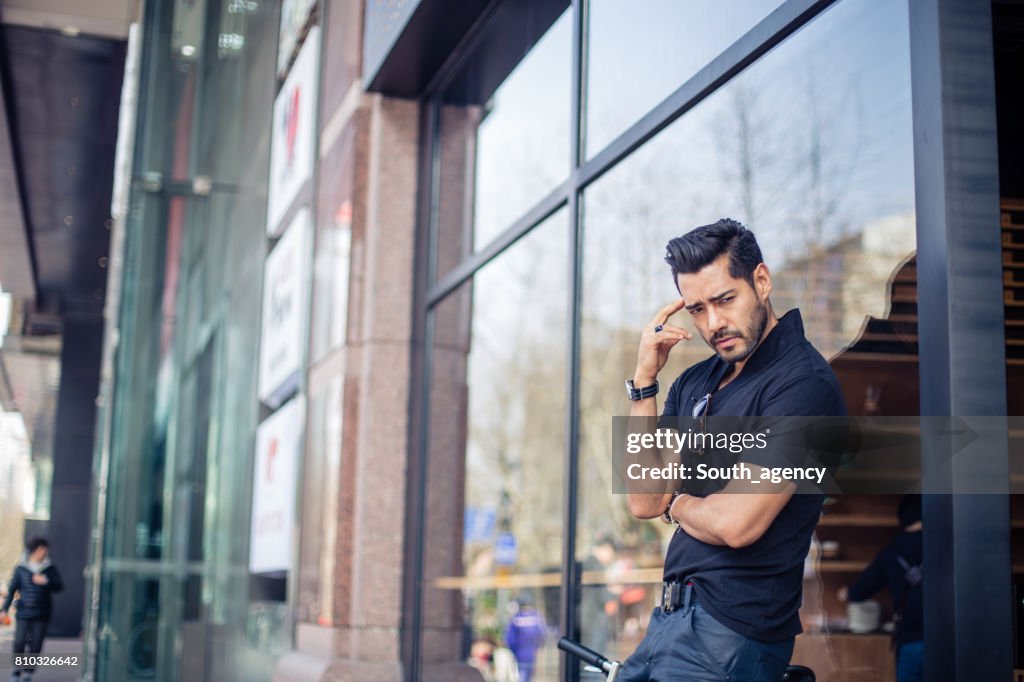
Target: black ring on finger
(658,328)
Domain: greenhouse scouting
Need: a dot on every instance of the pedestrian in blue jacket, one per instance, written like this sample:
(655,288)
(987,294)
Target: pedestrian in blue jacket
(35,580)
(525,634)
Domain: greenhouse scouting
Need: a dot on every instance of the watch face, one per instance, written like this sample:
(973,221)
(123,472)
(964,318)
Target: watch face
(631,390)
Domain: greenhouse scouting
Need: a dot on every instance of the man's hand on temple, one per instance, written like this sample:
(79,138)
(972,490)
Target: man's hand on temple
(656,342)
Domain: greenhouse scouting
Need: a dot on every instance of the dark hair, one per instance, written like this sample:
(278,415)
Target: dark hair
(910,510)
(35,543)
(703,245)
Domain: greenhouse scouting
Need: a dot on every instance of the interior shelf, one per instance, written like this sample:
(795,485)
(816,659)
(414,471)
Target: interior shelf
(858,520)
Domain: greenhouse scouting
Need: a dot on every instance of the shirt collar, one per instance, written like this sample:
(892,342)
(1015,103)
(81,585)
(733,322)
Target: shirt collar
(788,331)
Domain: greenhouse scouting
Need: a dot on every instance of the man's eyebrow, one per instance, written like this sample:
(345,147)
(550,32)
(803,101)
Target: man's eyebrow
(713,299)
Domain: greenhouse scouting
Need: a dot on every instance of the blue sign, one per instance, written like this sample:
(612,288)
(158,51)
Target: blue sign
(505,550)
(479,524)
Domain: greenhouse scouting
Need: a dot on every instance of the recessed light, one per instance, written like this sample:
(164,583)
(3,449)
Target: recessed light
(188,50)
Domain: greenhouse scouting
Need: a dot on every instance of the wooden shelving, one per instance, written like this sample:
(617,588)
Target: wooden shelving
(840,566)
(881,357)
(857,520)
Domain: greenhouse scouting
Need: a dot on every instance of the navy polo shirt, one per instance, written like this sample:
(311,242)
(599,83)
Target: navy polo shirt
(757,590)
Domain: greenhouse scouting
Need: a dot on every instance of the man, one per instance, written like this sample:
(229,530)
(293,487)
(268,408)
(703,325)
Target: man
(898,566)
(734,568)
(35,580)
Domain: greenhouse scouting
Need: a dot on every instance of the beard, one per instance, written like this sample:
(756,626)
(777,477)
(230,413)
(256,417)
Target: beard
(748,339)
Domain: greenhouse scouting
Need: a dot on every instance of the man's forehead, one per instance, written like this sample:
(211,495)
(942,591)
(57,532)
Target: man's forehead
(711,280)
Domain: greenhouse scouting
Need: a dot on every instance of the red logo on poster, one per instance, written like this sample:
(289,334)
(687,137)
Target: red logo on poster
(271,454)
(291,129)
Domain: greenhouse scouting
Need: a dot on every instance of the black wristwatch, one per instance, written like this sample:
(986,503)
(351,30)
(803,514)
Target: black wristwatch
(635,393)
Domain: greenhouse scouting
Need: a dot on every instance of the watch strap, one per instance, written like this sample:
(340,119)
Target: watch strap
(641,393)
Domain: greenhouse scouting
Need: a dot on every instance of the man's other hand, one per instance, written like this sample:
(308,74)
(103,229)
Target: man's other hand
(40,579)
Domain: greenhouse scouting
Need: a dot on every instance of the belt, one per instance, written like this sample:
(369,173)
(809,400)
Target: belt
(677,595)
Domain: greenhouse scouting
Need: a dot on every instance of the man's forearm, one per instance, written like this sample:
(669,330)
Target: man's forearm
(697,518)
(644,503)
(656,342)
(734,517)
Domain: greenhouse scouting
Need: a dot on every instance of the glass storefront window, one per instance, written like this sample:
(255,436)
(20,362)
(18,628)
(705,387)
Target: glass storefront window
(505,128)
(815,156)
(175,541)
(496,463)
(640,52)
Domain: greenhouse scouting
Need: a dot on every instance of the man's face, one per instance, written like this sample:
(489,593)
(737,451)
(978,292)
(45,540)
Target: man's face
(729,313)
(40,553)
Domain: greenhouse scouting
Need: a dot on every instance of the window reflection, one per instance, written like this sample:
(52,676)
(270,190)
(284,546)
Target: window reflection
(496,483)
(505,128)
(640,52)
(815,156)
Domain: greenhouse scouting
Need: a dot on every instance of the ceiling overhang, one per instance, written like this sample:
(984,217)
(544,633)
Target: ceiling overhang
(103,18)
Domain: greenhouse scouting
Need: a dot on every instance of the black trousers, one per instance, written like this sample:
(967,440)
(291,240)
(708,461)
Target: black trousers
(28,637)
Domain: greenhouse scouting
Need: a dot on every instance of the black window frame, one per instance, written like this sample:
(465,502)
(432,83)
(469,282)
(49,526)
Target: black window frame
(948,196)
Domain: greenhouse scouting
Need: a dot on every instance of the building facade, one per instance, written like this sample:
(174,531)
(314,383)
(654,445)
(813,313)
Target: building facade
(381,269)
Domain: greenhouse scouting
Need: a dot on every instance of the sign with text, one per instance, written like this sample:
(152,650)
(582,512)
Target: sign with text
(284,312)
(274,486)
(293,139)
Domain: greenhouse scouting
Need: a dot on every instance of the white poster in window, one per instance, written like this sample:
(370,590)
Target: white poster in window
(283,334)
(293,138)
(274,481)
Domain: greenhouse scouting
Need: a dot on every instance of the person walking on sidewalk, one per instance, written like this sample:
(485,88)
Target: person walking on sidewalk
(35,580)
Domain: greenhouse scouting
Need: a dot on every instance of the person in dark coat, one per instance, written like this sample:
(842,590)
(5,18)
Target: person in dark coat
(35,580)
(899,567)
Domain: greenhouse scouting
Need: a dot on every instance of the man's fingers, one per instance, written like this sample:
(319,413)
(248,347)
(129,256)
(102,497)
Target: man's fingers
(675,330)
(654,339)
(669,310)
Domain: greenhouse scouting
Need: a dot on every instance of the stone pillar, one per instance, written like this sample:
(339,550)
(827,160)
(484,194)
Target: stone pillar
(362,642)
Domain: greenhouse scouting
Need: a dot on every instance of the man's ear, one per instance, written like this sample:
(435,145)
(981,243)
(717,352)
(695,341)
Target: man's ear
(762,281)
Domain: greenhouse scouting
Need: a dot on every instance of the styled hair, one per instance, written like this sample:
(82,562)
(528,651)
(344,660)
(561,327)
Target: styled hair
(703,245)
(35,543)
(910,510)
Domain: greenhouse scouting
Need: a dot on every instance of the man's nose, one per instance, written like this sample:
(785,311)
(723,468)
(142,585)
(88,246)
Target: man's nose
(715,321)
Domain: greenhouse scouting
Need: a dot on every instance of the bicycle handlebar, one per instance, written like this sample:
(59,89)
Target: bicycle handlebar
(586,655)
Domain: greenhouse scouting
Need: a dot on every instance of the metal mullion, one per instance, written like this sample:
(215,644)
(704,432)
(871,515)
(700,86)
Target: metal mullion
(421,370)
(569,667)
(772,30)
(536,215)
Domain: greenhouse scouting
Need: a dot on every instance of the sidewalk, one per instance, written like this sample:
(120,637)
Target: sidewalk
(52,646)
